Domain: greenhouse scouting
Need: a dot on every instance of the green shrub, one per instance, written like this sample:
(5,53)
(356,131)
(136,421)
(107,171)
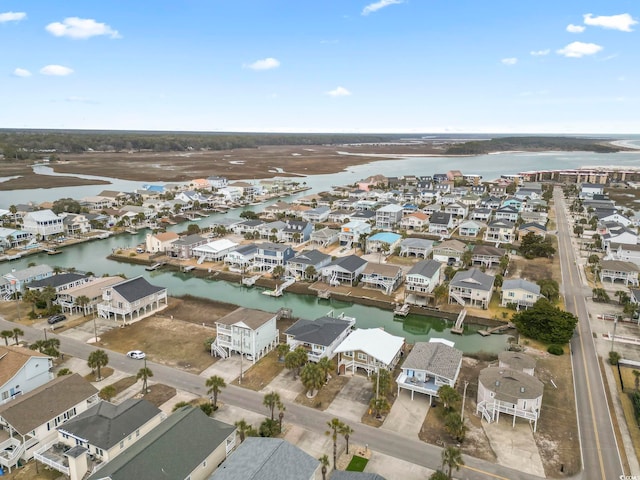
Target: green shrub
(555,349)
(635,399)
(614,358)
(269,428)
(207,408)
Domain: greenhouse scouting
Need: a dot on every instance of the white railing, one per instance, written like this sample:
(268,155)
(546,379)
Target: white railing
(38,455)
(458,298)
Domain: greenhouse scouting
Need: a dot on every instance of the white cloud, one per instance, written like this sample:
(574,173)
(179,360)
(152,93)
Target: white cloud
(579,49)
(12,16)
(339,92)
(21,72)
(622,22)
(264,64)
(540,53)
(571,28)
(80,28)
(374,7)
(509,61)
(56,70)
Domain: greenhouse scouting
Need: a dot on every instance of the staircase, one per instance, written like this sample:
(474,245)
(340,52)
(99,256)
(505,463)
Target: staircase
(333,281)
(456,296)
(201,259)
(457,328)
(218,350)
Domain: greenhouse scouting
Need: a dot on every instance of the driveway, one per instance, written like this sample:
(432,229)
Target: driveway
(227,368)
(514,445)
(407,415)
(285,386)
(353,401)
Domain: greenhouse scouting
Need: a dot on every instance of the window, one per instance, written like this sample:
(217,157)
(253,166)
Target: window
(121,444)
(362,356)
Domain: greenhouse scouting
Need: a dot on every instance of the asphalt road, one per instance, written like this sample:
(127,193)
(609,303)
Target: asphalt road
(600,454)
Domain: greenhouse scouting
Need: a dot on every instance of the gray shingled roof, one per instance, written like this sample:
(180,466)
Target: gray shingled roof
(266,459)
(519,283)
(136,288)
(426,268)
(488,250)
(250,317)
(516,360)
(510,385)
(29,411)
(30,272)
(473,278)
(189,240)
(57,280)
(618,266)
(310,257)
(322,331)
(172,450)
(434,357)
(350,263)
(106,424)
(247,249)
(417,242)
(440,218)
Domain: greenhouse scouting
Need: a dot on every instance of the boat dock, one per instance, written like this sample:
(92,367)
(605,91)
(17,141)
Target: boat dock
(250,282)
(188,268)
(324,294)
(458,327)
(52,251)
(402,310)
(155,266)
(279,290)
(498,329)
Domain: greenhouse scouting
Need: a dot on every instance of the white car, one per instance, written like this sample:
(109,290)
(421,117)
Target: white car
(137,354)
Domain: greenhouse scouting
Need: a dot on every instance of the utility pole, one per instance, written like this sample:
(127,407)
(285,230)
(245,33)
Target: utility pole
(613,337)
(241,348)
(464,396)
(95,330)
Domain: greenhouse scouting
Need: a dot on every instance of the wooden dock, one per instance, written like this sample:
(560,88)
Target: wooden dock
(402,310)
(498,329)
(188,268)
(249,282)
(153,267)
(324,294)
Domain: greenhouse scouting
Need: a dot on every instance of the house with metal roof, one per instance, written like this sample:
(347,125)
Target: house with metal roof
(344,270)
(248,332)
(429,366)
(511,392)
(270,459)
(298,266)
(30,420)
(188,444)
(102,433)
(471,288)
(131,299)
(321,336)
(369,349)
(43,222)
(519,292)
(214,251)
(420,281)
(22,370)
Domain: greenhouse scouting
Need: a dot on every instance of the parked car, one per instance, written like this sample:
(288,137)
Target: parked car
(137,354)
(56,318)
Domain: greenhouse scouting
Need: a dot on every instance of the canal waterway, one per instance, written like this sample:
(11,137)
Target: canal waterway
(92,256)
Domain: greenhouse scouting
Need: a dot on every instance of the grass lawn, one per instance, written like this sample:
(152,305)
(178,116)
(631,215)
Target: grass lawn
(124,383)
(357,464)
(105,372)
(261,374)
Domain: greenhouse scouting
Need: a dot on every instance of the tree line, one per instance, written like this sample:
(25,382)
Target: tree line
(506,144)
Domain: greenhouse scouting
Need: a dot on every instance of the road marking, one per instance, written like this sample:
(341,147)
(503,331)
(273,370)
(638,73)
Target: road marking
(593,417)
(489,474)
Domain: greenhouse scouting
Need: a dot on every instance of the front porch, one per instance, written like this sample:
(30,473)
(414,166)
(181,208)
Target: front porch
(413,384)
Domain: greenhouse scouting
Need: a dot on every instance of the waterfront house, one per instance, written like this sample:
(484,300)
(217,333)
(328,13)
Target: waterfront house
(21,371)
(187,445)
(249,190)
(471,288)
(183,247)
(420,281)
(321,336)
(30,420)
(17,279)
(388,217)
(241,259)
(520,293)
(449,252)
(75,224)
(299,265)
(532,227)
(324,237)
(619,271)
(248,332)
(98,202)
(470,228)
(415,247)
(369,349)
(230,194)
(131,299)
(276,210)
(383,242)
(353,232)
(11,238)
(60,282)
(270,255)
(270,459)
(160,242)
(344,270)
(500,231)
(429,366)
(486,255)
(214,251)
(43,222)
(92,289)
(414,221)
(511,392)
(441,223)
(98,435)
(382,276)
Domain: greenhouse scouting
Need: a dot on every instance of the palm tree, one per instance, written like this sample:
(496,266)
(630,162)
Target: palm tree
(97,359)
(282,349)
(440,293)
(107,393)
(243,428)
(144,373)
(277,271)
(448,395)
(381,382)
(281,409)
(17,333)
(380,406)
(335,426)
(452,458)
(346,432)
(312,377)
(48,347)
(295,360)
(215,384)
(272,401)
(47,294)
(324,461)
(326,366)
(32,297)
(14,210)
(310,272)
(438,475)
(6,334)
(454,424)
(82,301)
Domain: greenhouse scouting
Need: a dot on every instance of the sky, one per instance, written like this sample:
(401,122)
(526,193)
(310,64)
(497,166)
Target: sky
(414,66)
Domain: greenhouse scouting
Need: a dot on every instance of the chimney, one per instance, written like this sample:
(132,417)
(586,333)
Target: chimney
(78,462)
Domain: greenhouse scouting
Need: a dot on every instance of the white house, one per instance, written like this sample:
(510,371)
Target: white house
(215,251)
(471,287)
(160,242)
(22,370)
(369,349)
(250,333)
(470,228)
(321,336)
(415,247)
(519,292)
(43,222)
(420,281)
(414,221)
(615,270)
(351,232)
(388,217)
(131,299)
(344,270)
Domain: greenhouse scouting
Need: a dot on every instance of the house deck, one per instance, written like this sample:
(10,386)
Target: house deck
(414,385)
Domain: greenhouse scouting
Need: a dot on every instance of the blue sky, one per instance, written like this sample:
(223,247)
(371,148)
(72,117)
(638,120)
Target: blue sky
(559,66)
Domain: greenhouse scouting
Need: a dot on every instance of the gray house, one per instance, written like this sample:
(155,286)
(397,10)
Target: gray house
(420,281)
(320,336)
(471,288)
(344,270)
(298,265)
